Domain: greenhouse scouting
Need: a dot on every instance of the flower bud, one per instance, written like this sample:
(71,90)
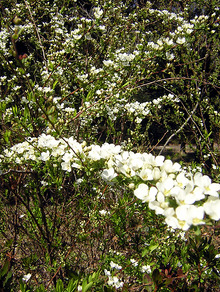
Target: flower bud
(17,20)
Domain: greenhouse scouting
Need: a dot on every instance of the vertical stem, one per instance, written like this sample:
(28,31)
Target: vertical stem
(44,219)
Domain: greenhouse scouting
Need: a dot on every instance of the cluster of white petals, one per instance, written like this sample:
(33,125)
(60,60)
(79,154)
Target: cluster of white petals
(184,198)
(113,280)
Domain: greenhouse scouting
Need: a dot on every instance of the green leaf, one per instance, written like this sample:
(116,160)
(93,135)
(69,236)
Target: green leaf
(89,95)
(72,285)
(126,84)
(20,31)
(51,110)
(15,36)
(93,277)
(41,288)
(54,84)
(23,286)
(62,9)
(59,286)
(153,247)
(86,286)
(15,110)
(6,136)
(145,251)
(22,71)
(8,277)
(4,269)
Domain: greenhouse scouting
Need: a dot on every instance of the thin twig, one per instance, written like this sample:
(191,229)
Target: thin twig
(172,79)
(158,142)
(38,35)
(16,171)
(183,125)
(200,132)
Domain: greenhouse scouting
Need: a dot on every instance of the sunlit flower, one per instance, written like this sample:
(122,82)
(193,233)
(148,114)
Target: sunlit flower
(45,155)
(159,205)
(115,266)
(166,186)
(204,182)
(103,212)
(212,208)
(107,273)
(170,167)
(108,150)
(95,152)
(146,174)
(189,214)
(108,174)
(115,282)
(134,262)
(180,40)
(26,278)
(97,12)
(144,193)
(108,63)
(146,269)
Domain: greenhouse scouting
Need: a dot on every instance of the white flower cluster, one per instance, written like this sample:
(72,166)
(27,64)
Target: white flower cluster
(45,148)
(115,266)
(4,34)
(113,280)
(97,12)
(136,111)
(138,108)
(125,58)
(26,278)
(183,198)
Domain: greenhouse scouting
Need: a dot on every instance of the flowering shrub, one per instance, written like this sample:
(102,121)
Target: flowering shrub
(183,198)
(92,92)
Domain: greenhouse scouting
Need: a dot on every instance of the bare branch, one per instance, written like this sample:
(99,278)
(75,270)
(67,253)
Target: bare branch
(183,125)
(37,32)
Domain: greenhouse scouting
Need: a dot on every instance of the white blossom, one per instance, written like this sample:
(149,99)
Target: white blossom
(26,278)
(97,12)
